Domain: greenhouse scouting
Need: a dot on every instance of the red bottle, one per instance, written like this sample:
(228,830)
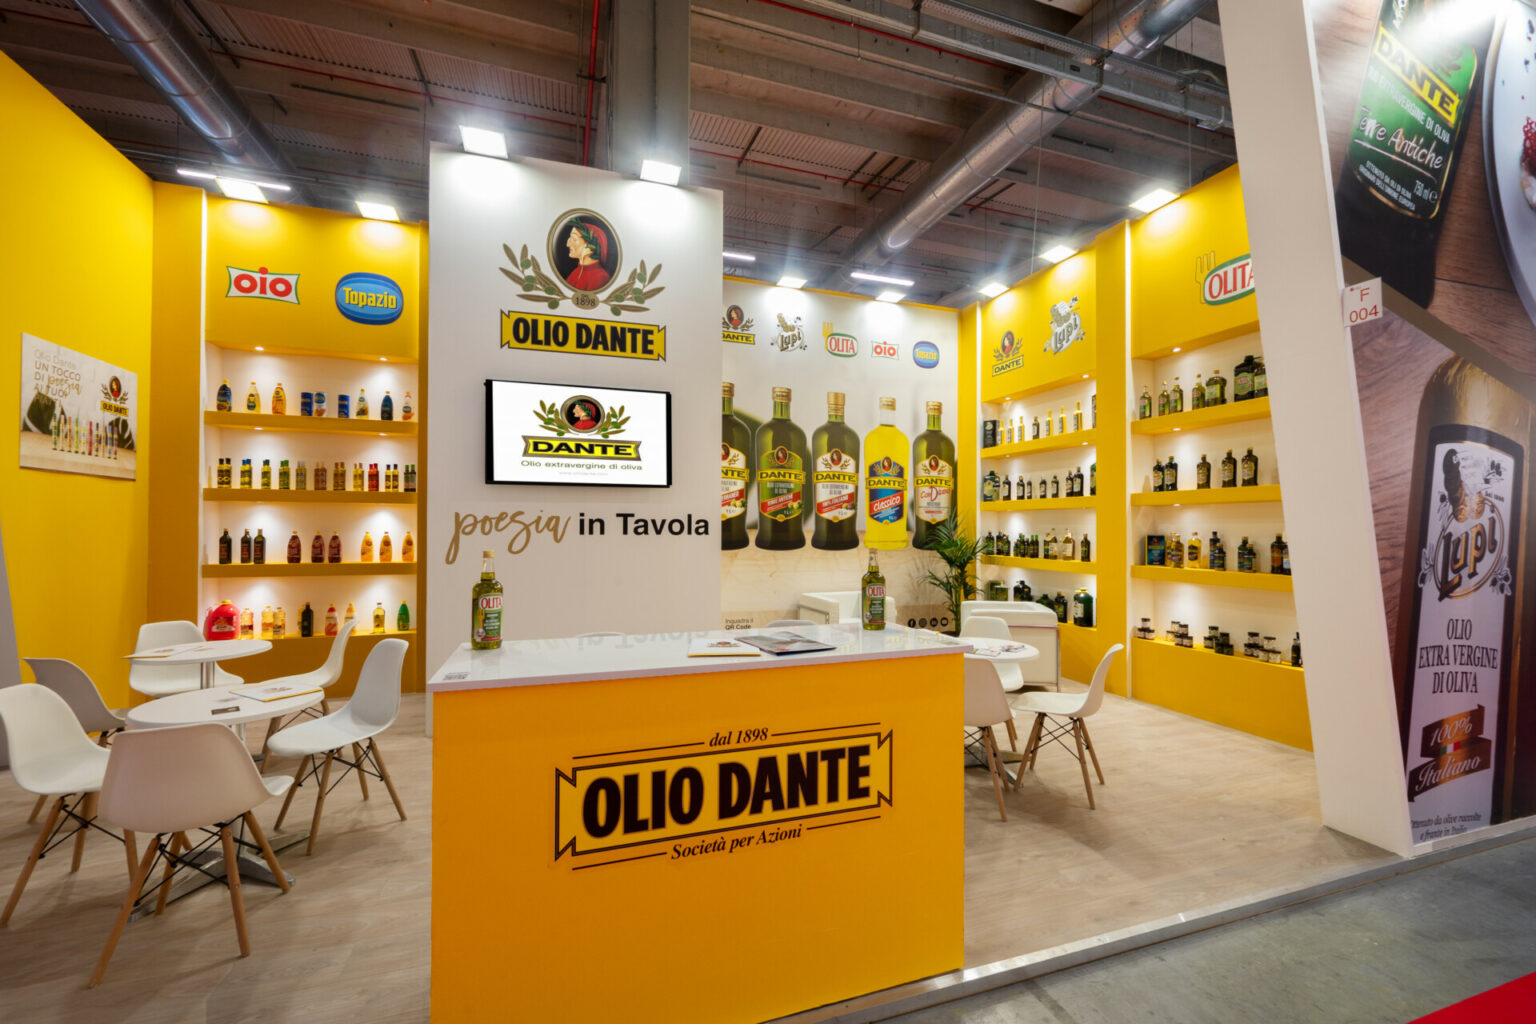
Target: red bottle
(222,623)
(317,549)
(373,476)
(295,548)
(335,549)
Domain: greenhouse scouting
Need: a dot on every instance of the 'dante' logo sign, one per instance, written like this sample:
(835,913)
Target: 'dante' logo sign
(736,327)
(262,284)
(718,801)
(582,429)
(1007,355)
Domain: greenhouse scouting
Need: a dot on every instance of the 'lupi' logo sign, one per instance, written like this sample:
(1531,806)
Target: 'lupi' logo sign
(1469,548)
(1225,282)
(583,429)
(262,284)
(1066,326)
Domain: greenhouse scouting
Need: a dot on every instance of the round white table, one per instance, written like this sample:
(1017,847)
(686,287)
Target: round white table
(204,653)
(1000,651)
(218,704)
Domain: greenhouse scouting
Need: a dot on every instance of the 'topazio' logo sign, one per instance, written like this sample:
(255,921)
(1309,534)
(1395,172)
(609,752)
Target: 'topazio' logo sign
(369,299)
(262,284)
(925,354)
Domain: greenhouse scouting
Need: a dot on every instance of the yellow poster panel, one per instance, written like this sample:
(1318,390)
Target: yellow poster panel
(1041,333)
(298,279)
(1191,273)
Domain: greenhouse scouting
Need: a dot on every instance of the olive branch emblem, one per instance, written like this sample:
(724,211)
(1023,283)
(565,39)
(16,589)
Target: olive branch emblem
(550,419)
(540,287)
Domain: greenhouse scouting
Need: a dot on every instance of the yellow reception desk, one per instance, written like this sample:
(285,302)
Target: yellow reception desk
(622,831)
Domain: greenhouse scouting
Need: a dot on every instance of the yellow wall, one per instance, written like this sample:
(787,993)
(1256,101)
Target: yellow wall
(76,270)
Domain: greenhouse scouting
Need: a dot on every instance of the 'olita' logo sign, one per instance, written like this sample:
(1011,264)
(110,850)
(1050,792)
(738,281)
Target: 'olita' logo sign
(262,284)
(490,603)
(1228,282)
(839,344)
(369,299)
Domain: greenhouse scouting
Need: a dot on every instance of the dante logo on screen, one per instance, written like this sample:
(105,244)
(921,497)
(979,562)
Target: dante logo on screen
(369,299)
(261,284)
(582,429)
(1226,282)
(844,345)
(925,354)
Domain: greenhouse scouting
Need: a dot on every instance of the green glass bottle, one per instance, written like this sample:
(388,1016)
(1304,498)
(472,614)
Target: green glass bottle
(835,480)
(485,606)
(782,457)
(735,471)
(872,595)
(933,478)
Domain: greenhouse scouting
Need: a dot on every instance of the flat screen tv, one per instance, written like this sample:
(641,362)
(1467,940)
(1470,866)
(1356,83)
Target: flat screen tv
(540,433)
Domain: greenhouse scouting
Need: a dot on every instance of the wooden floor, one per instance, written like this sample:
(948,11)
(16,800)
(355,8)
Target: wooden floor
(1192,814)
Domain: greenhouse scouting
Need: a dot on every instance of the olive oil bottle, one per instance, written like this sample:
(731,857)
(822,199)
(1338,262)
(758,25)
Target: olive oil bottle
(835,480)
(735,472)
(872,595)
(484,606)
(781,460)
(885,482)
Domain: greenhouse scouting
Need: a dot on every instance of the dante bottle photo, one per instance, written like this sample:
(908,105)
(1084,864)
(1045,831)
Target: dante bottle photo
(835,480)
(735,471)
(782,457)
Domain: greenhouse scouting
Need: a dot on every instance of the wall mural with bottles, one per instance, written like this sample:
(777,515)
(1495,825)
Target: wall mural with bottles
(838,435)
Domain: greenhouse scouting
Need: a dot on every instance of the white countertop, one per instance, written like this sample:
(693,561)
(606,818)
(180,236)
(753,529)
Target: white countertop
(581,659)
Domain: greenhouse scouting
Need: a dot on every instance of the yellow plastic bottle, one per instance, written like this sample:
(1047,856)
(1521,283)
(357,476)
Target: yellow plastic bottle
(885,482)
(279,623)
(253,399)
(279,401)
(351,615)
(367,547)
(378,617)
(386,548)
(408,548)
(266,623)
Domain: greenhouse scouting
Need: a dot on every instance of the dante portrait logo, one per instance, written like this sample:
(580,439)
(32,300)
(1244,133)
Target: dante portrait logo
(583,430)
(736,326)
(1006,354)
(585,257)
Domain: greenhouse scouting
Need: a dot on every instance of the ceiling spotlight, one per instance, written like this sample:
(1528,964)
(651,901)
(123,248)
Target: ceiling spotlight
(261,348)
(859,275)
(890,295)
(1057,253)
(236,188)
(377,211)
(739,257)
(483,141)
(791,281)
(187,172)
(1153,199)
(1178,348)
(992,289)
(660,172)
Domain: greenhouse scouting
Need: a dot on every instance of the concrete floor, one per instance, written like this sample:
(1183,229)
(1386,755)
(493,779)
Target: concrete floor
(1388,951)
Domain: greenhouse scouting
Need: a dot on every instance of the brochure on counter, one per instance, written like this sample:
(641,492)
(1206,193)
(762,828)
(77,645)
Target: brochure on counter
(267,692)
(786,643)
(708,647)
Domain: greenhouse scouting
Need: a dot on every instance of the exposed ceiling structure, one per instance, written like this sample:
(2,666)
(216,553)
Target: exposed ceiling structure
(813,117)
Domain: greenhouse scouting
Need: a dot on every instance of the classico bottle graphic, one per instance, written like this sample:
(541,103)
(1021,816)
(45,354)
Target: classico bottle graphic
(735,472)
(835,480)
(885,482)
(933,478)
(781,464)
(1465,604)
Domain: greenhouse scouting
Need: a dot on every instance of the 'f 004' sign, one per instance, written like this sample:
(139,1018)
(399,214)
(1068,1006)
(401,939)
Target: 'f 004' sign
(620,805)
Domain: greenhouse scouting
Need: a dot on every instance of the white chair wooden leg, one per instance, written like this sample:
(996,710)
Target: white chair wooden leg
(232,879)
(37,808)
(389,783)
(266,852)
(989,743)
(1082,760)
(287,800)
(325,782)
(362,776)
(87,810)
(37,851)
(1088,742)
(139,874)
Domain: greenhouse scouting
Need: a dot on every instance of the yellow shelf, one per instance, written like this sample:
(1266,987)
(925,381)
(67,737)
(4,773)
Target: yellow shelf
(1211,496)
(293,639)
(1071,439)
(1191,344)
(258,495)
(1210,416)
(1199,649)
(1048,564)
(289,569)
(310,424)
(1240,693)
(1039,504)
(1081,629)
(1213,577)
(999,396)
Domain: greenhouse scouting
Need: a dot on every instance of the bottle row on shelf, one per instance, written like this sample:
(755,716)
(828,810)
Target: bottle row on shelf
(1165,474)
(1249,380)
(1031,546)
(313,403)
(1079,607)
(273,623)
(1174,553)
(1218,641)
(1000,488)
(1013,431)
(393,478)
(253,550)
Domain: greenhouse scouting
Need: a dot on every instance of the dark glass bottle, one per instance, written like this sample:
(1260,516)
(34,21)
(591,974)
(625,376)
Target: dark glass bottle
(1007,488)
(1202,473)
(245,548)
(259,548)
(933,477)
(1229,470)
(1242,380)
(1250,469)
(226,548)
(1157,476)
(1215,389)
(1085,549)
(1277,557)
(307,621)
(782,456)
(1170,475)
(1055,486)
(835,480)
(1260,379)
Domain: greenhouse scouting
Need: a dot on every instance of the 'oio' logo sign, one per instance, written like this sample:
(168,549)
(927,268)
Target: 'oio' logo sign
(261,284)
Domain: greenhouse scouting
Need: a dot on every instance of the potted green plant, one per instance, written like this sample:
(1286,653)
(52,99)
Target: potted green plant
(958,553)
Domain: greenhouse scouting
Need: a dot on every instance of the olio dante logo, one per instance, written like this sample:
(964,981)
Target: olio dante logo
(1469,547)
(845,345)
(584,256)
(1007,355)
(590,428)
(261,284)
(369,299)
(925,354)
(1066,326)
(736,327)
(1224,282)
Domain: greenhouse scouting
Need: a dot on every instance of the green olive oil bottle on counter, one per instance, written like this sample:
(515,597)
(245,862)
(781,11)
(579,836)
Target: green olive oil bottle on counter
(781,461)
(933,478)
(735,471)
(872,596)
(835,480)
(485,606)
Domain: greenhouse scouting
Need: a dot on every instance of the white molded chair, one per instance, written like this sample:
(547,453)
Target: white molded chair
(52,757)
(835,606)
(163,680)
(1008,674)
(148,788)
(1057,714)
(371,710)
(329,671)
(1029,623)
(985,706)
(69,681)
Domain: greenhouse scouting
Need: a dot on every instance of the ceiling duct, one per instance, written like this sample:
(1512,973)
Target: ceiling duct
(164,50)
(1011,127)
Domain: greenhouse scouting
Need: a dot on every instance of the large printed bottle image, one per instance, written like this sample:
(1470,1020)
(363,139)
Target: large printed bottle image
(735,471)
(1465,601)
(933,478)
(835,480)
(1415,105)
(781,460)
(885,482)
